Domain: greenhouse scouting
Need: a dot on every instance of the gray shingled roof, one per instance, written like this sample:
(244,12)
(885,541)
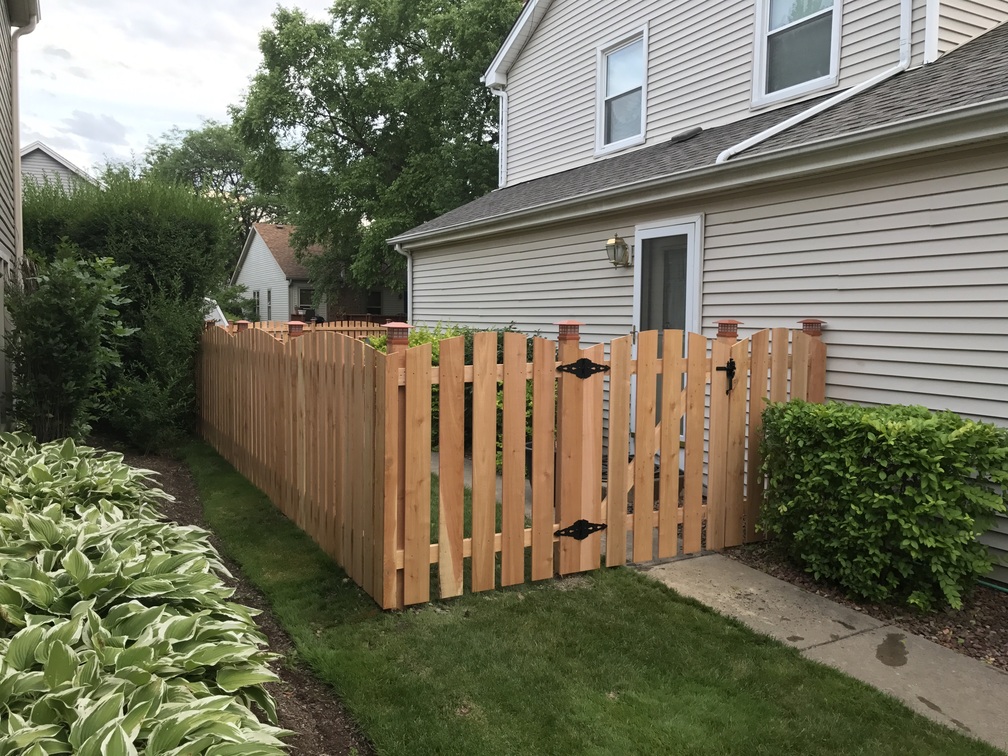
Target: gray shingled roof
(972,74)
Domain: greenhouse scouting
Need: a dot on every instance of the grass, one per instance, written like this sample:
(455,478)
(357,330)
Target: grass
(605,663)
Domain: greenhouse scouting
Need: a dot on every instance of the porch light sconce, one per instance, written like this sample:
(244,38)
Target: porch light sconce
(619,253)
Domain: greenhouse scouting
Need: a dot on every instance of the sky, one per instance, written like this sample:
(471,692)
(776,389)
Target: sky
(100,79)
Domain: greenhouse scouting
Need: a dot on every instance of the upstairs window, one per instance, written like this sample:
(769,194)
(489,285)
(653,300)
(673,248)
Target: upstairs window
(797,48)
(622,93)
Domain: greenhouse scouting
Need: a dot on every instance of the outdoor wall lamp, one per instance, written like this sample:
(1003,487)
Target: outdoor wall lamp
(618,252)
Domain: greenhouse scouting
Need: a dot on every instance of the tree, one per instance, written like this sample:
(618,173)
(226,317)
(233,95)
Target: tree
(214,162)
(382,112)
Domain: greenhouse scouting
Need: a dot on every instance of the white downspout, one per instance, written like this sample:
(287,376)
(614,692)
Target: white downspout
(16,118)
(409,280)
(502,140)
(931,31)
(904,63)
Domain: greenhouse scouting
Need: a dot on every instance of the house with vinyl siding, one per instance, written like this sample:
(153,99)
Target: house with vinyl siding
(767,161)
(40,163)
(272,271)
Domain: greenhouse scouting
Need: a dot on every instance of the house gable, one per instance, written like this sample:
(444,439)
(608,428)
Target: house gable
(39,162)
(259,272)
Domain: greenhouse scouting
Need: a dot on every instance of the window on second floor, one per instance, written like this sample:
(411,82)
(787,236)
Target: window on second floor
(797,47)
(622,93)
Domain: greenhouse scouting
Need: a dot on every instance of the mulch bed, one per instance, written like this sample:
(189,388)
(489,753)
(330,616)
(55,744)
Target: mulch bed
(304,704)
(979,629)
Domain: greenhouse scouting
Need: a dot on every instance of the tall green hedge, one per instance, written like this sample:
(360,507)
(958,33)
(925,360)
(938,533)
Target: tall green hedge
(885,501)
(174,247)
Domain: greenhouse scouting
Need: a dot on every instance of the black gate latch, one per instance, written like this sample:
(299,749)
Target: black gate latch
(728,369)
(583,368)
(580,530)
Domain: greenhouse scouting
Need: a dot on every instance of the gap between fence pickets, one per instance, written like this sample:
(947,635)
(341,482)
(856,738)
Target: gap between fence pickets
(679,363)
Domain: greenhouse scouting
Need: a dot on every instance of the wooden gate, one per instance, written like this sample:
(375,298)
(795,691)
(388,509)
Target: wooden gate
(679,476)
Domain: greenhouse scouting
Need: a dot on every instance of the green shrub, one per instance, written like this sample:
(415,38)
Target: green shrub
(175,246)
(117,634)
(65,328)
(885,501)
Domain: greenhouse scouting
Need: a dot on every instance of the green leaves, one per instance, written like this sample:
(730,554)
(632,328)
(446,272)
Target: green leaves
(116,623)
(886,501)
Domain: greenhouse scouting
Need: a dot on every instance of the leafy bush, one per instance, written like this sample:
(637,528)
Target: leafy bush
(885,501)
(176,247)
(116,632)
(62,343)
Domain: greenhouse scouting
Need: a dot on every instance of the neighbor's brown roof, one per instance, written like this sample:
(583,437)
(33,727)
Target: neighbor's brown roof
(277,237)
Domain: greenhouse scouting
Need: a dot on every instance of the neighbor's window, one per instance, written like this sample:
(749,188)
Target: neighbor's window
(622,88)
(269,304)
(255,304)
(799,45)
(305,297)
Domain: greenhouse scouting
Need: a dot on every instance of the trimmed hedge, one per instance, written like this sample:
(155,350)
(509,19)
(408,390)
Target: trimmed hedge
(885,501)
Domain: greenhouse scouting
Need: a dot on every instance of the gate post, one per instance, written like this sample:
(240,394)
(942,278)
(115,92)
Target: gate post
(393,593)
(717,457)
(570,447)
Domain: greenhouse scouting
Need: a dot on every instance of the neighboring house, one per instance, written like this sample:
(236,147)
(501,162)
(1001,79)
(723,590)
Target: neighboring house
(40,163)
(21,15)
(279,283)
(766,160)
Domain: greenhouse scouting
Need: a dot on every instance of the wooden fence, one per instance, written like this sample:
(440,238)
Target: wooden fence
(340,437)
(355,329)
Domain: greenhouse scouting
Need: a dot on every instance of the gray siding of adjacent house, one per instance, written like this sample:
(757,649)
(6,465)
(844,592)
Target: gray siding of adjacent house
(261,272)
(700,66)
(962,20)
(38,166)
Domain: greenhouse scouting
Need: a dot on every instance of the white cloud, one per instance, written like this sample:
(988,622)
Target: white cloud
(100,80)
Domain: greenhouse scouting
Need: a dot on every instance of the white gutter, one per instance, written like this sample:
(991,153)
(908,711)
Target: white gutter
(16,118)
(409,280)
(906,7)
(502,136)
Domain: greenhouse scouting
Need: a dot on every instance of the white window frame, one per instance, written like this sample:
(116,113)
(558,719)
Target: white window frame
(269,304)
(601,52)
(759,93)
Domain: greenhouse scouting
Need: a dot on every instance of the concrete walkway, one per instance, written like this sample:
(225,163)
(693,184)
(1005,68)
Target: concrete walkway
(950,688)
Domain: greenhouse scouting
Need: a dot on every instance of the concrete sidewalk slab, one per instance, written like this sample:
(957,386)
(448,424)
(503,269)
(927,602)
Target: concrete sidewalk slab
(764,603)
(958,691)
(948,687)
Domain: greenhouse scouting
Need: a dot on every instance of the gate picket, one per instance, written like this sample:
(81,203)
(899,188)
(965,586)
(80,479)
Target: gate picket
(644,447)
(543,456)
(451,450)
(758,365)
(513,461)
(418,459)
(671,415)
(619,450)
(735,462)
(697,368)
(717,456)
(484,445)
(591,496)
(570,453)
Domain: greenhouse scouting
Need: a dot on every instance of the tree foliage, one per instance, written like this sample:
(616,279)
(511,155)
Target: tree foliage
(382,112)
(215,163)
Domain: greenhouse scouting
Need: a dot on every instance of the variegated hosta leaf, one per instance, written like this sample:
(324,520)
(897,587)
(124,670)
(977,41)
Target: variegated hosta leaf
(116,632)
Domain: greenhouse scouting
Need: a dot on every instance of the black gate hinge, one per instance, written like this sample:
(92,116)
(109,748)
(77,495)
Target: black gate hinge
(583,368)
(729,370)
(580,530)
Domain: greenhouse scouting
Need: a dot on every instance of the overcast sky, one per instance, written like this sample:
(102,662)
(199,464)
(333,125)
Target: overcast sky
(100,78)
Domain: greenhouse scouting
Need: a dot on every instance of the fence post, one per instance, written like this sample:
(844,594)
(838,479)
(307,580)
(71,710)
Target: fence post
(294,328)
(816,386)
(717,465)
(570,447)
(395,501)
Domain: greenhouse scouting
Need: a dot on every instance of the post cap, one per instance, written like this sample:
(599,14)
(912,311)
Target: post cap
(242,325)
(728,328)
(812,326)
(295,327)
(569,330)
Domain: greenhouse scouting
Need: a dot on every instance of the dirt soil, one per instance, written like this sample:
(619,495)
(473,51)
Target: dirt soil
(304,704)
(979,629)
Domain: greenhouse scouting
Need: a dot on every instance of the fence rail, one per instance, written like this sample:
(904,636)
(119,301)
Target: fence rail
(339,436)
(355,329)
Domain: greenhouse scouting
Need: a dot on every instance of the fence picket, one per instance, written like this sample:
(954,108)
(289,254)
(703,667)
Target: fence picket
(735,465)
(418,459)
(570,455)
(543,457)
(671,417)
(451,451)
(513,461)
(644,447)
(697,368)
(395,482)
(758,391)
(484,459)
(591,496)
(717,457)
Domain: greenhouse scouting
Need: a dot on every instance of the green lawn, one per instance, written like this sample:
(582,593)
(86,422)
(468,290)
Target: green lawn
(605,663)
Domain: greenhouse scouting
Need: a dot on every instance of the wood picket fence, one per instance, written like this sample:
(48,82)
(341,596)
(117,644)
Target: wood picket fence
(339,436)
(356,329)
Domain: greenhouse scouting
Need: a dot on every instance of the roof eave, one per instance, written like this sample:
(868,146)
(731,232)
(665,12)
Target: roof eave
(952,128)
(21,12)
(496,74)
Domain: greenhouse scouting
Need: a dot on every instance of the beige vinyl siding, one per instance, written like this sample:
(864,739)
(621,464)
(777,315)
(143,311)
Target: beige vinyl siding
(962,20)
(261,272)
(700,68)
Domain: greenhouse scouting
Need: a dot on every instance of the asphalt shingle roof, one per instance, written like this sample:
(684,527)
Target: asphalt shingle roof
(972,74)
(277,237)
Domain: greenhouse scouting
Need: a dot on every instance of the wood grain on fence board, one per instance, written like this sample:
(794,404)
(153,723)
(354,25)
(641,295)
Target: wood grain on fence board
(759,365)
(591,496)
(543,456)
(484,462)
(671,417)
(644,446)
(570,445)
(418,460)
(697,370)
(735,463)
(513,461)
(451,456)
(619,450)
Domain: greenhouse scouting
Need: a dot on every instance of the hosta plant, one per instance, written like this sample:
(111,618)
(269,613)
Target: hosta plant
(117,634)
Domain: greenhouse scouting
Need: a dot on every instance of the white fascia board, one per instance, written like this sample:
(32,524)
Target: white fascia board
(969,124)
(496,74)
